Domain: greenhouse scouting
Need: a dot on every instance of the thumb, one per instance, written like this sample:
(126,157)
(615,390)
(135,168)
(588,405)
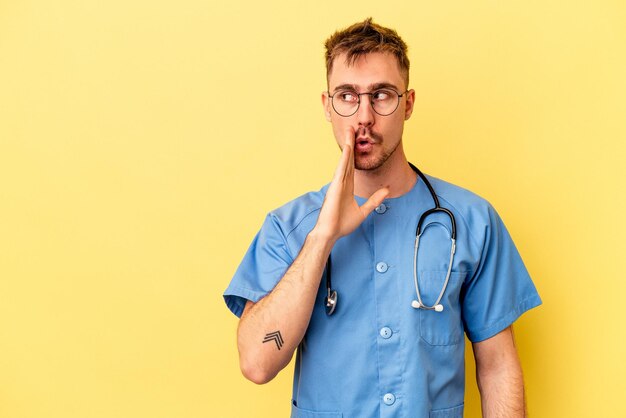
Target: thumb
(375,199)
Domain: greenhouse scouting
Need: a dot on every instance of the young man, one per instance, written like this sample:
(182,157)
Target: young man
(390,341)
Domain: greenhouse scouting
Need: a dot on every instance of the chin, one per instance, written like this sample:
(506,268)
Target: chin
(369,163)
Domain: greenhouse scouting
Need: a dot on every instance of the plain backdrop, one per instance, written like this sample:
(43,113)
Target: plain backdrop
(143,142)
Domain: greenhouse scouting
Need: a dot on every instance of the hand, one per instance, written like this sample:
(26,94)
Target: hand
(340,213)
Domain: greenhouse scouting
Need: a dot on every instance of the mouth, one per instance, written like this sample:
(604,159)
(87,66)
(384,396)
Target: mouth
(363,144)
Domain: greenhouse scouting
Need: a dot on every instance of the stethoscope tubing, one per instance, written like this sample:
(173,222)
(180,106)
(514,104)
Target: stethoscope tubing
(332,296)
(437,305)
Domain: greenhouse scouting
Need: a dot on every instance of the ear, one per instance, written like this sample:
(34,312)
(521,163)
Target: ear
(410,103)
(326,105)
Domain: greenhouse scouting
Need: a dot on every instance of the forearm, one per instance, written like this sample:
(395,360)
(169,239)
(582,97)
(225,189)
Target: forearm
(499,377)
(502,394)
(270,330)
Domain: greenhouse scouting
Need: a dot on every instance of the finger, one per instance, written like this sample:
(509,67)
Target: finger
(349,136)
(349,139)
(340,171)
(374,201)
(346,156)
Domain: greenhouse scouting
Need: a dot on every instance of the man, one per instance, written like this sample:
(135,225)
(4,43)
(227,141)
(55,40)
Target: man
(394,344)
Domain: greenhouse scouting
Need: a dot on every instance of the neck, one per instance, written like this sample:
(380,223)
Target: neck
(395,174)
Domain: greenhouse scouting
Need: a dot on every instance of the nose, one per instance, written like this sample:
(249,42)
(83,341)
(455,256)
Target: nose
(365,115)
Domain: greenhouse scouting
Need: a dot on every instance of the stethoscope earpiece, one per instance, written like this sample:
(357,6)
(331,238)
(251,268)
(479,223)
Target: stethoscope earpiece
(437,308)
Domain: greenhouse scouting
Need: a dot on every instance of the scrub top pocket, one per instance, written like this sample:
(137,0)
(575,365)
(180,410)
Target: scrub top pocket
(456,412)
(303,413)
(446,327)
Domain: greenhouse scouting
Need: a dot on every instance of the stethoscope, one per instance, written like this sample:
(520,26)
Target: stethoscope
(330,300)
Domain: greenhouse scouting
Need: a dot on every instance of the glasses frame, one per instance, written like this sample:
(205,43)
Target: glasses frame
(358,103)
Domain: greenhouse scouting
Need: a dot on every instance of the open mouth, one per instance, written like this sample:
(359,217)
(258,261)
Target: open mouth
(363,144)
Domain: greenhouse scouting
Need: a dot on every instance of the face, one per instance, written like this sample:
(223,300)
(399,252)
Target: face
(377,138)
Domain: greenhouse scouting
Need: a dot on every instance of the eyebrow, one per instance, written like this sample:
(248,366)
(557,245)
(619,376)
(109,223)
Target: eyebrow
(371,87)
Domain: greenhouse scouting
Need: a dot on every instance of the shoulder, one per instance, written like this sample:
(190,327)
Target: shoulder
(474,209)
(457,195)
(293,213)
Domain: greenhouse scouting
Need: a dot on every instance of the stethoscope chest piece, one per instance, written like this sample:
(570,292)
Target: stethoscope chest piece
(331,302)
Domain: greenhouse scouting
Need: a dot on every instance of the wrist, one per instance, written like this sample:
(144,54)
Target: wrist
(320,236)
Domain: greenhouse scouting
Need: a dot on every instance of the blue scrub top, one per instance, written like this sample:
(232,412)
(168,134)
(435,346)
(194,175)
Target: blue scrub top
(377,356)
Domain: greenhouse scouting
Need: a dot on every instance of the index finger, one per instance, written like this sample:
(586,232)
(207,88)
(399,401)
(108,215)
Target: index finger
(348,172)
(347,156)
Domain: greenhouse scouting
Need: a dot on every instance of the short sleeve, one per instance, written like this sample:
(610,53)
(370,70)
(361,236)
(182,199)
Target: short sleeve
(500,290)
(262,267)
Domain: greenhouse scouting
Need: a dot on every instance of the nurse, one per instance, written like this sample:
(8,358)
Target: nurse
(380,354)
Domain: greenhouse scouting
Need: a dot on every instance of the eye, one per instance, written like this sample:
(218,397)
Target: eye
(348,96)
(382,95)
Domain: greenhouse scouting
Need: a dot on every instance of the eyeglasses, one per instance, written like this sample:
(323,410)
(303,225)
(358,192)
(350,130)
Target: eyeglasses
(384,101)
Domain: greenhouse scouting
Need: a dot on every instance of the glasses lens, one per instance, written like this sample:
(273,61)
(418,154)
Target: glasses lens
(345,102)
(385,102)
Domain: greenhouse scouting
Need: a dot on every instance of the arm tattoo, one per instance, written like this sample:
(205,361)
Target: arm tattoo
(276,337)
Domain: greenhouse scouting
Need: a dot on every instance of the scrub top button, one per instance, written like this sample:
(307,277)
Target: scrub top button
(382,208)
(386,332)
(389,398)
(381,267)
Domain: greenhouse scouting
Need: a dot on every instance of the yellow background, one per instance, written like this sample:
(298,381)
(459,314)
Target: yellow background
(142,143)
